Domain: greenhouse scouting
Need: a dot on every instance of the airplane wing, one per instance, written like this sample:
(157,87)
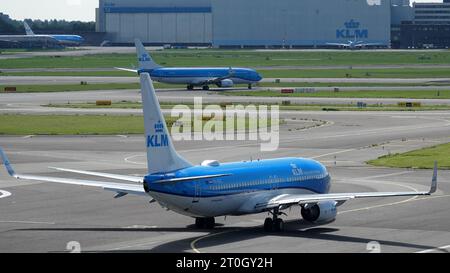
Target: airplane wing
(120,188)
(129,178)
(218,79)
(338,44)
(340,198)
(126,69)
(368,44)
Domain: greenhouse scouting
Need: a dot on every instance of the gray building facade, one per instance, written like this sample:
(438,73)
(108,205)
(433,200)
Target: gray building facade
(245,23)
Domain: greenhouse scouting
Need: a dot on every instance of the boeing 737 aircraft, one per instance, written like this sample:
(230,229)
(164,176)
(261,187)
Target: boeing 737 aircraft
(214,189)
(193,76)
(62,39)
(45,39)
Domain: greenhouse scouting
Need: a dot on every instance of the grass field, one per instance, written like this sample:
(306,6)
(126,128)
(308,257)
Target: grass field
(80,87)
(408,73)
(439,94)
(122,86)
(422,159)
(281,73)
(85,124)
(293,107)
(245,58)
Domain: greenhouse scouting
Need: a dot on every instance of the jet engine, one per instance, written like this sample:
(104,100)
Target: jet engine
(321,212)
(225,83)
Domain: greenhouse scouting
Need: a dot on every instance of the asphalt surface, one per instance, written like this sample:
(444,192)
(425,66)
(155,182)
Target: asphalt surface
(45,217)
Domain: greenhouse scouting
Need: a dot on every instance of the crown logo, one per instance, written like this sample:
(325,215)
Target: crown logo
(144,58)
(159,127)
(352,24)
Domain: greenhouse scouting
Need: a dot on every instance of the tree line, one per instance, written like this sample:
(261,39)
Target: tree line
(10,26)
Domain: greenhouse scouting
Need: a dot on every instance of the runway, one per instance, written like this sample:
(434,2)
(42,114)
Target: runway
(44,217)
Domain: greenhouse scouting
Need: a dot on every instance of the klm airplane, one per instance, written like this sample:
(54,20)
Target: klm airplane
(214,189)
(193,76)
(352,45)
(65,40)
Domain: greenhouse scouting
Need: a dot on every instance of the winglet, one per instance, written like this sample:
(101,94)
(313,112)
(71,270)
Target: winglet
(434,180)
(10,170)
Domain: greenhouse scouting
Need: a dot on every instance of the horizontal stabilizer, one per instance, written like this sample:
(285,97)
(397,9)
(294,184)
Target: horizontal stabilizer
(126,69)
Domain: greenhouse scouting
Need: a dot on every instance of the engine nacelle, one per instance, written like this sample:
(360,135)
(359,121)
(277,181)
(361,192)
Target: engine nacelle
(322,212)
(225,83)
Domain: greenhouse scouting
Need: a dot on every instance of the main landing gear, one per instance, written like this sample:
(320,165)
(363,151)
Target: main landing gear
(205,87)
(250,86)
(190,87)
(207,223)
(274,223)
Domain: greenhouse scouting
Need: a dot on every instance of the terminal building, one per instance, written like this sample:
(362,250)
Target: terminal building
(272,24)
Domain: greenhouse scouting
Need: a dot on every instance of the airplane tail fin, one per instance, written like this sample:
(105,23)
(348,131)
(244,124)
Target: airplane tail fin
(145,60)
(28,30)
(161,154)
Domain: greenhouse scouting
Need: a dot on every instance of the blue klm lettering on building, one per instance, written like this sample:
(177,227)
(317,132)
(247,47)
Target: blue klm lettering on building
(352,30)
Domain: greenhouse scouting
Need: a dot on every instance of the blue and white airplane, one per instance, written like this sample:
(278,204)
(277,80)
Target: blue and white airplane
(193,76)
(62,39)
(352,45)
(214,189)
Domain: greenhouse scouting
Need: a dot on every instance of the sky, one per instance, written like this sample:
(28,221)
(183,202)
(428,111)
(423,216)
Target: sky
(70,10)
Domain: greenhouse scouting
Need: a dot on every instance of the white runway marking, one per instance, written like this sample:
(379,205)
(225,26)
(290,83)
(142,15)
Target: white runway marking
(4,194)
(437,249)
(128,159)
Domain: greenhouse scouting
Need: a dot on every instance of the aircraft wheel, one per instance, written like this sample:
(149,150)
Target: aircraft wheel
(190,87)
(278,225)
(199,222)
(250,87)
(205,88)
(210,223)
(268,225)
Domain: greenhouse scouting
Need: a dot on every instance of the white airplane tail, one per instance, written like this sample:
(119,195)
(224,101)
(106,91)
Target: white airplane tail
(145,60)
(161,154)
(28,30)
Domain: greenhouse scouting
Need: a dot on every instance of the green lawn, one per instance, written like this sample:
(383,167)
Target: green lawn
(121,86)
(279,73)
(423,94)
(80,87)
(422,159)
(293,107)
(408,73)
(246,58)
(83,124)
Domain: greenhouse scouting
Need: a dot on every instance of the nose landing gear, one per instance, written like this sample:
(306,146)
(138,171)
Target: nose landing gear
(207,223)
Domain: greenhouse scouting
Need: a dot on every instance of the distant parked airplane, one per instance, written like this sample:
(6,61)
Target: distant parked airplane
(193,76)
(62,39)
(44,39)
(354,44)
(214,189)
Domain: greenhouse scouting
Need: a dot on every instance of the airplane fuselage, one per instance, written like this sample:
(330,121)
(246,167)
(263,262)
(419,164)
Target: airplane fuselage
(247,185)
(197,75)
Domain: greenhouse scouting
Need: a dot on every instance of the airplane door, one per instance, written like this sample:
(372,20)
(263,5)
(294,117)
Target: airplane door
(197,192)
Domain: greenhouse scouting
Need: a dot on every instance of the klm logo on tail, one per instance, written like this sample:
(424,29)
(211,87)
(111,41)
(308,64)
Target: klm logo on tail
(159,139)
(144,58)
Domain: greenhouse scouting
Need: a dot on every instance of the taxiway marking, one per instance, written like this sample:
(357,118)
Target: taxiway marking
(4,194)
(440,249)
